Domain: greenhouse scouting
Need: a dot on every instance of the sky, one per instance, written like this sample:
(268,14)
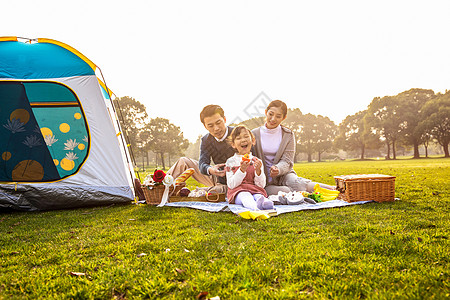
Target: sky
(325,57)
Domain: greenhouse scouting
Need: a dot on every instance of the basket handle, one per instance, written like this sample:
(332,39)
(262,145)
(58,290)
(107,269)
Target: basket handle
(208,194)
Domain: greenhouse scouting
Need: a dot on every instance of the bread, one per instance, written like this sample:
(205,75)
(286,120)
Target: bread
(184,176)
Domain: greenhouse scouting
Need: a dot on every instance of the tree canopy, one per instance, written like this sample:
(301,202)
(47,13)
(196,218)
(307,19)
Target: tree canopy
(355,134)
(133,118)
(437,120)
(410,118)
(163,137)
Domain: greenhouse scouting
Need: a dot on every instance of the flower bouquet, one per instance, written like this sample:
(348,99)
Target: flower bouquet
(155,184)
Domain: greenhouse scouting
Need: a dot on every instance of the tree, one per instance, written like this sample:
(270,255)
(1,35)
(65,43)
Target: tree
(193,151)
(383,117)
(307,135)
(293,122)
(163,137)
(314,134)
(133,117)
(326,132)
(437,120)
(356,134)
(410,112)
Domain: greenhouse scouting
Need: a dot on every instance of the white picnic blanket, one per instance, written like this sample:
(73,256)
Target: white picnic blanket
(281,209)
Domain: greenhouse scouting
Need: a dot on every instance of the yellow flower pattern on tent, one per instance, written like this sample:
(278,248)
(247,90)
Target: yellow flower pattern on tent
(20,114)
(43,131)
(28,170)
(64,127)
(6,155)
(66,148)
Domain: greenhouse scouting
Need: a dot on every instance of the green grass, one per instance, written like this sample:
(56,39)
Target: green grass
(376,251)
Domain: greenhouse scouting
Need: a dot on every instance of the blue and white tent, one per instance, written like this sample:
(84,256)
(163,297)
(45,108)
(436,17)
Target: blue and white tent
(60,142)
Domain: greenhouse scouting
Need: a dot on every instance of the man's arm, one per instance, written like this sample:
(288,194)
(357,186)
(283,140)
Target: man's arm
(204,163)
(205,156)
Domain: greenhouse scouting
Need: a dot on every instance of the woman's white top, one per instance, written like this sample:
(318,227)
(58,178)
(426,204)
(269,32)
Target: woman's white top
(270,142)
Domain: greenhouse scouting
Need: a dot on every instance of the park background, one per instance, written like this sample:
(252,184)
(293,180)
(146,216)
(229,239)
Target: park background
(324,57)
(414,123)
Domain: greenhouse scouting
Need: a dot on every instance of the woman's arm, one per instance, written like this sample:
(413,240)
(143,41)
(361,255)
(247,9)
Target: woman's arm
(287,159)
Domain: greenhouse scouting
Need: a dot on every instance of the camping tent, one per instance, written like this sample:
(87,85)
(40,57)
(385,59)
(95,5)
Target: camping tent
(60,142)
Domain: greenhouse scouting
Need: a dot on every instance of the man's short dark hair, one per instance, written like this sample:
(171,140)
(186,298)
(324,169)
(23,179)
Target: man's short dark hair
(210,110)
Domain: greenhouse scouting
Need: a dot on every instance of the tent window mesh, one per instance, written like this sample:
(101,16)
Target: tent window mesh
(43,132)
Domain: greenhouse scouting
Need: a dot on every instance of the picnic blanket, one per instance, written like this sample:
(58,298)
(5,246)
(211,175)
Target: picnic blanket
(281,209)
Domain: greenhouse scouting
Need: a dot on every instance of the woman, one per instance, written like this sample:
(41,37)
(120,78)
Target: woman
(275,145)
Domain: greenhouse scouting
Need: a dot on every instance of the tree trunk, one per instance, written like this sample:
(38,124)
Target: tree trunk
(319,154)
(363,149)
(416,150)
(309,157)
(388,155)
(162,160)
(394,156)
(445,146)
(297,152)
(426,150)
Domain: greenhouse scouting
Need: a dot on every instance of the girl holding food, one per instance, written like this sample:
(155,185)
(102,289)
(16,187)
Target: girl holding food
(245,178)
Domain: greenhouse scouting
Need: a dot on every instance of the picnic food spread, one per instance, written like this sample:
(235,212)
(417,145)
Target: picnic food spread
(184,176)
(326,194)
(246,157)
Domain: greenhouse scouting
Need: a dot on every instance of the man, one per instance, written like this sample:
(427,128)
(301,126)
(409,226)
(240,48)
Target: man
(213,149)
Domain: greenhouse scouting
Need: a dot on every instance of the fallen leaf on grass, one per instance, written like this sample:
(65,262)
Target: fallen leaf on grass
(167,250)
(14,252)
(77,274)
(202,296)
(186,250)
(141,254)
(419,239)
(179,271)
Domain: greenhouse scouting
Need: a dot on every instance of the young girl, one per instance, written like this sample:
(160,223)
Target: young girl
(245,178)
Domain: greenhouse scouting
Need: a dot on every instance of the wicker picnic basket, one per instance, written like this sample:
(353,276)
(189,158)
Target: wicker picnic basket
(365,187)
(153,193)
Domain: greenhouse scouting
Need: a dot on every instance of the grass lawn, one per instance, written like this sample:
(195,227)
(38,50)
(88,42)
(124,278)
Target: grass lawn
(382,251)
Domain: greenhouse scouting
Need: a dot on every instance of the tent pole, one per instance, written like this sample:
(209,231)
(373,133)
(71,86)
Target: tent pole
(124,136)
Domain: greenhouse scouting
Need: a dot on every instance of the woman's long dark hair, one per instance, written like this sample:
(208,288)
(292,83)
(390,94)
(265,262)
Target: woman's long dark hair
(280,104)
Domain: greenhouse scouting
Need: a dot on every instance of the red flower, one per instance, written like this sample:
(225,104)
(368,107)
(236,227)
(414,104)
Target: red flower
(158,176)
